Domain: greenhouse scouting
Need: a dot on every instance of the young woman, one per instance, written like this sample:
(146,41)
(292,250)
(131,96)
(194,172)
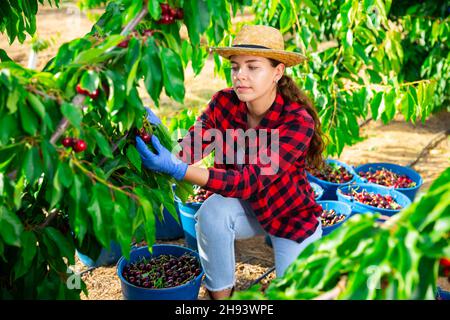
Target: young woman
(251,197)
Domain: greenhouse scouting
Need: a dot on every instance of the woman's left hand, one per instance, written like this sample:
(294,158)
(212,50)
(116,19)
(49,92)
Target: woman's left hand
(162,161)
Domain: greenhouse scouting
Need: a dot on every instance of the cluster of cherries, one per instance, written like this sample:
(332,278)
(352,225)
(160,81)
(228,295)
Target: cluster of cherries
(330,218)
(331,173)
(78,145)
(164,271)
(200,195)
(388,178)
(374,199)
(169,15)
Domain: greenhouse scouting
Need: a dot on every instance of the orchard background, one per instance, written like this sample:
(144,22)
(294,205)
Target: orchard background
(379,79)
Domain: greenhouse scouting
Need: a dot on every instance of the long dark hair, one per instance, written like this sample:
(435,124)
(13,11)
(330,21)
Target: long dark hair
(292,93)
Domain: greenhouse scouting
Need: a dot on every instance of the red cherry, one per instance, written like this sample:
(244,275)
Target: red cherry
(173,12)
(95,94)
(146,137)
(179,14)
(80,90)
(79,145)
(67,142)
(124,44)
(165,8)
(105,87)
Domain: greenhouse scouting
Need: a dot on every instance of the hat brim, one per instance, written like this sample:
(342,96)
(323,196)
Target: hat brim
(289,59)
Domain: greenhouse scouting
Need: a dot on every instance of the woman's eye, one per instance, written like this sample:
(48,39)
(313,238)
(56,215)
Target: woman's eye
(253,68)
(234,69)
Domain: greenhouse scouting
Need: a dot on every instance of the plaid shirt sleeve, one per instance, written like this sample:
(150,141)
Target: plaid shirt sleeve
(199,136)
(294,138)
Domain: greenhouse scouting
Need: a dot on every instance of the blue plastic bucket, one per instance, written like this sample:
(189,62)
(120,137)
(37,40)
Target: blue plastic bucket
(329,188)
(318,190)
(358,207)
(340,208)
(401,170)
(187,291)
(442,294)
(107,257)
(187,212)
(169,228)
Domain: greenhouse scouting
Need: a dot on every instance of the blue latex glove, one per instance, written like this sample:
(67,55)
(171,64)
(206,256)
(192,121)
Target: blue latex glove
(163,161)
(151,117)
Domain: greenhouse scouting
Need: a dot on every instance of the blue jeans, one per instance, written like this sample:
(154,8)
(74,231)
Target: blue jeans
(221,220)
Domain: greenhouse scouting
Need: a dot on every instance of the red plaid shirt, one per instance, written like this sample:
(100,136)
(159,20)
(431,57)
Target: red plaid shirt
(282,198)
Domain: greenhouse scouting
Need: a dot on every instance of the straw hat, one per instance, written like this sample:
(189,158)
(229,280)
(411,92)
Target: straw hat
(260,41)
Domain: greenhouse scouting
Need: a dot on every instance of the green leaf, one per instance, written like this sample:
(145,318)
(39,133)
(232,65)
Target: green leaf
(64,174)
(196,18)
(11,227)
(155,9)
(66,247)
(103,144)
(134,157)
(273,8)
(286,19)
(90,81)
(377,105)
(199,56)
(132,62)
(37,105)
(18,189)
(312,6)
(152,68)
(28,120)
(72,113)
(131,11)
(173,74)
(32,165)
(98,217)
(27,254)
(8,123)
(13,98)
(3,56)
(122,222)
(39,108)
(117,89)
(77,209)
(149,217)
(93,56)
(405,106)
(389,102)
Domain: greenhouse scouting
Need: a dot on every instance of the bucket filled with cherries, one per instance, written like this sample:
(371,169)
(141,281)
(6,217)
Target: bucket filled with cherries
(402,178)
(364,197)
(330,176)
(169,272)
(333,215)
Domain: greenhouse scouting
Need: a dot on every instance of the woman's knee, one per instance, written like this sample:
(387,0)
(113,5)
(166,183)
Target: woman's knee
(216,210)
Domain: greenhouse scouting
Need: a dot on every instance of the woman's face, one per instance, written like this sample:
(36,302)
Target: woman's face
(253,77)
